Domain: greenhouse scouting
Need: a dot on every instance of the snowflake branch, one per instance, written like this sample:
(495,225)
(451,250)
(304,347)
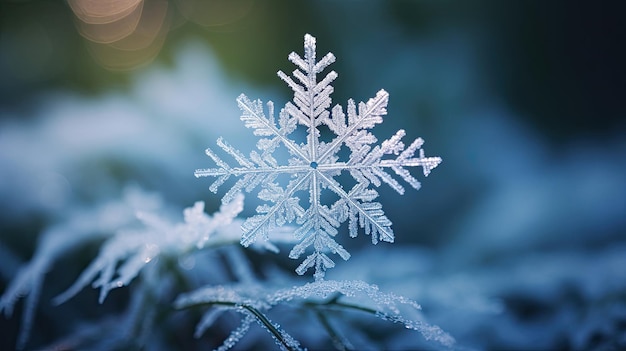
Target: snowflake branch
(253,225)
(375,109)
(252,118)
(382,224)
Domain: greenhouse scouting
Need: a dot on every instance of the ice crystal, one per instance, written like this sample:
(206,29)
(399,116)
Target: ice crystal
(314,165)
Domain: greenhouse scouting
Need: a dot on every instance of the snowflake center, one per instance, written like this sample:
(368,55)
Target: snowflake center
(313,165)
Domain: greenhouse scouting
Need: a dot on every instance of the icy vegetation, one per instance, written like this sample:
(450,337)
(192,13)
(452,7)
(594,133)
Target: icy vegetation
(164,253)
(313,166)
(318,297)
(189,264)
(57,241)
(517,243)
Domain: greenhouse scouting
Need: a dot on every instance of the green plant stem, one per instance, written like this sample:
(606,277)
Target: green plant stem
(258,314)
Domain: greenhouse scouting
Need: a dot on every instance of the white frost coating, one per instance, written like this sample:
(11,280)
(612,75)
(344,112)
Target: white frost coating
(237,334)
(124,255)
(313,166)
(84,226)
(387,306)
(138,248)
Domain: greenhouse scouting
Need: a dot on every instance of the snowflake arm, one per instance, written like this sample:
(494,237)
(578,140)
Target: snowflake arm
(313,166)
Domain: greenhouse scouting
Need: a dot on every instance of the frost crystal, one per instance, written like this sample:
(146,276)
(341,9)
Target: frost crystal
(314,165)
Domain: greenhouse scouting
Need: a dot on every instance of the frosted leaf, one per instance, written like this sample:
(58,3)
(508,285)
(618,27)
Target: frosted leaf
(312,166)
(85,225)
(124,255)
(247,299)
(387,305)
(322,294)
(221,294)
(237,334)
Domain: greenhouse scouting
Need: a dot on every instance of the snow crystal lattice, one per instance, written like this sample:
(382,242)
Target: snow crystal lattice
(314,165)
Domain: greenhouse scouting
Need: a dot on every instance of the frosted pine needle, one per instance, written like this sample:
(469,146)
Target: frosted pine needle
(314,165)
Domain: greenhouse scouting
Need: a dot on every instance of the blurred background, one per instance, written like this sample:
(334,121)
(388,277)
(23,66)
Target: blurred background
(521,229)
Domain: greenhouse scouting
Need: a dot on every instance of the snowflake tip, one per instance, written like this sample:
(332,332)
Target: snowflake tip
(309,41)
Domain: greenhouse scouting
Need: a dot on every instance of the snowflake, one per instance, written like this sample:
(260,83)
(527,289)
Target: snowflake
(314,165)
